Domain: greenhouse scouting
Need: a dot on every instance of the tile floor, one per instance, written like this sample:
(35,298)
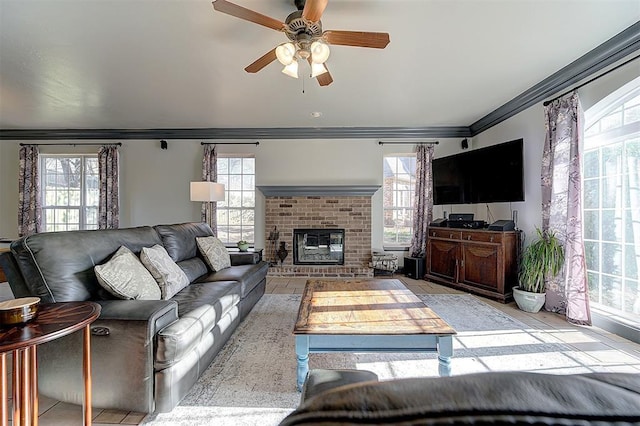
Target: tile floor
(606,349)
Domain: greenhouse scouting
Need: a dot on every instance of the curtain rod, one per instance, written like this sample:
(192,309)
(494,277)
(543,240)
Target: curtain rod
(591,80)
(72,144)
(408,143)
(229,143)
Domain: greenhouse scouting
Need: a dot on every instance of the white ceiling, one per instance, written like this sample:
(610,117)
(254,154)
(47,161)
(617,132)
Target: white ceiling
(144,64)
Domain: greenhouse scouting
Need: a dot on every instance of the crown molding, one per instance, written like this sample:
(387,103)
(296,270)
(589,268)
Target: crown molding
(239,133)
(318,190)
(608,53)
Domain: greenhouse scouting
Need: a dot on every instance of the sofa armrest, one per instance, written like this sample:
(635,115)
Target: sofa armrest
(158,313)
(122,352)
(245,258)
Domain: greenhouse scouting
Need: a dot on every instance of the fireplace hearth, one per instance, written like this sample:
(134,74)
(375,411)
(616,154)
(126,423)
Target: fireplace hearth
(318,246)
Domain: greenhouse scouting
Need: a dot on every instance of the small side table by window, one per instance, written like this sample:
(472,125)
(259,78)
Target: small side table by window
(53,321)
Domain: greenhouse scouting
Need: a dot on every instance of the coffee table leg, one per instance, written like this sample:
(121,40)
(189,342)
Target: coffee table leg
(302,353)
(445,352)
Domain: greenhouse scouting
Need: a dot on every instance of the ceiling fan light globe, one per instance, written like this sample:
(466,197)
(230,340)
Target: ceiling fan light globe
(292,69)
(319,52)
(317,69)
(286,53)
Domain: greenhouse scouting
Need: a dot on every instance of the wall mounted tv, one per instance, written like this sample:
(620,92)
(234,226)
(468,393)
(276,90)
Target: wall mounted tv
(487,175)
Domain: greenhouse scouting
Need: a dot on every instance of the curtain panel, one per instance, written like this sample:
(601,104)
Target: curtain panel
(210,174)
(29,207)
(108,202)
(567,293)
(423,201)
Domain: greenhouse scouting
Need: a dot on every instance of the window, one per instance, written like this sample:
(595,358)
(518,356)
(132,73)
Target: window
(236,215)
(398,194)
(611,202)
(70,191)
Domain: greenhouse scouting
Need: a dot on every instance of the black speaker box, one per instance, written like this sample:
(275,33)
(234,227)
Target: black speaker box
(502,225)
(414,267)
(438,222)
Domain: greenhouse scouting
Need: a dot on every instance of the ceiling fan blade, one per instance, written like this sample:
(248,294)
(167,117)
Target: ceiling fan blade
(313,9)
(356,38)
(248,15)
(262,61)
(325,79)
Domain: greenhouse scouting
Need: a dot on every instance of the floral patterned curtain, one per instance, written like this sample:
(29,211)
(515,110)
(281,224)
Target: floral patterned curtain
(29,208)
(562,206)
(423,203)
(108,204)
(210,174)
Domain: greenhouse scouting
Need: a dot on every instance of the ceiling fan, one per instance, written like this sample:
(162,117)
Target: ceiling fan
(307,41)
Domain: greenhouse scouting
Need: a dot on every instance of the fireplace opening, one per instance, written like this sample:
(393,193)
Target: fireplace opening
(318,246)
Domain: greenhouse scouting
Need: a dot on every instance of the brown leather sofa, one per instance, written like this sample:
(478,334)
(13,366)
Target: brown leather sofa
(350,397)
(146,354)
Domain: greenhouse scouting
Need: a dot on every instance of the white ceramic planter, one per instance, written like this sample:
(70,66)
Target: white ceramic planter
(527,301)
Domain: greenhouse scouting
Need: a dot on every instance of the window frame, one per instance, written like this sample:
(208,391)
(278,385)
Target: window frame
(81,207)
(599,141)
(223,205)
(396,192)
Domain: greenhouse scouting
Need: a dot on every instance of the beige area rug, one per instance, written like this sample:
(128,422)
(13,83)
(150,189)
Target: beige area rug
(252,380)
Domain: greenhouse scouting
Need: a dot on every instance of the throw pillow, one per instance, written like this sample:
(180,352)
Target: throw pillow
(214,252)
(167,274)
(126,278)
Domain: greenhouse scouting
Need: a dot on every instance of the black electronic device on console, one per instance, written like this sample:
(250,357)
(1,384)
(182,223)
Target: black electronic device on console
(441,223)
(502,225)
(460,217)
(468,224)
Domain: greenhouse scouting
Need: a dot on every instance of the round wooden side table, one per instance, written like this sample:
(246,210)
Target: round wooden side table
(53,321)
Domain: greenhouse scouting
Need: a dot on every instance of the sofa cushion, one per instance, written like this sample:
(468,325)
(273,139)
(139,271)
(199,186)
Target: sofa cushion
(485,398)
(214,253)
(170,278)
(180,239)
(125,277)
(200,308)
(248,276)
(194,268)
(221,295)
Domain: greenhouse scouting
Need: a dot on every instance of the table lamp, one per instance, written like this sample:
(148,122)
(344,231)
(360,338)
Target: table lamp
(207,192)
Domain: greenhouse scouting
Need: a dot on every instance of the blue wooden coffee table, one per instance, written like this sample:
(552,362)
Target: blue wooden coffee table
(379,315)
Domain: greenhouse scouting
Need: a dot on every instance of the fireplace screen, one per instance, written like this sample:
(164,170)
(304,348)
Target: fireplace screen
(318,246)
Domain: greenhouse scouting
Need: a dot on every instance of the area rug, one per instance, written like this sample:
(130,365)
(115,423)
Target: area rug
(252,380)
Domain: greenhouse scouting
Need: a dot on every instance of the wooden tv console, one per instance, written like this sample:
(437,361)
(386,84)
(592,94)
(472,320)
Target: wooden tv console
(475,260)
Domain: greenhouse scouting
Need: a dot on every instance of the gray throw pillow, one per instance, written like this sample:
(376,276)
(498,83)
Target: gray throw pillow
(167,274)
(215,253)
(125,277)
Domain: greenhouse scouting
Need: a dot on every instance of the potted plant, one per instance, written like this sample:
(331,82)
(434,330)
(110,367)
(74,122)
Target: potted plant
(243,245)
(541,259)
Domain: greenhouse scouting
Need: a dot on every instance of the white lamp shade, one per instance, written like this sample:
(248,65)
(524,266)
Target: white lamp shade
(319,52)
(292,69)
(286,53)
(207,191)
(317,69)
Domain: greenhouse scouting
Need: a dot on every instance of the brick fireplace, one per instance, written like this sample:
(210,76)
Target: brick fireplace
(338,207)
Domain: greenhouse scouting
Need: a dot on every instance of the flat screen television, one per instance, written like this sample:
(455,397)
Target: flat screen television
(487,175)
